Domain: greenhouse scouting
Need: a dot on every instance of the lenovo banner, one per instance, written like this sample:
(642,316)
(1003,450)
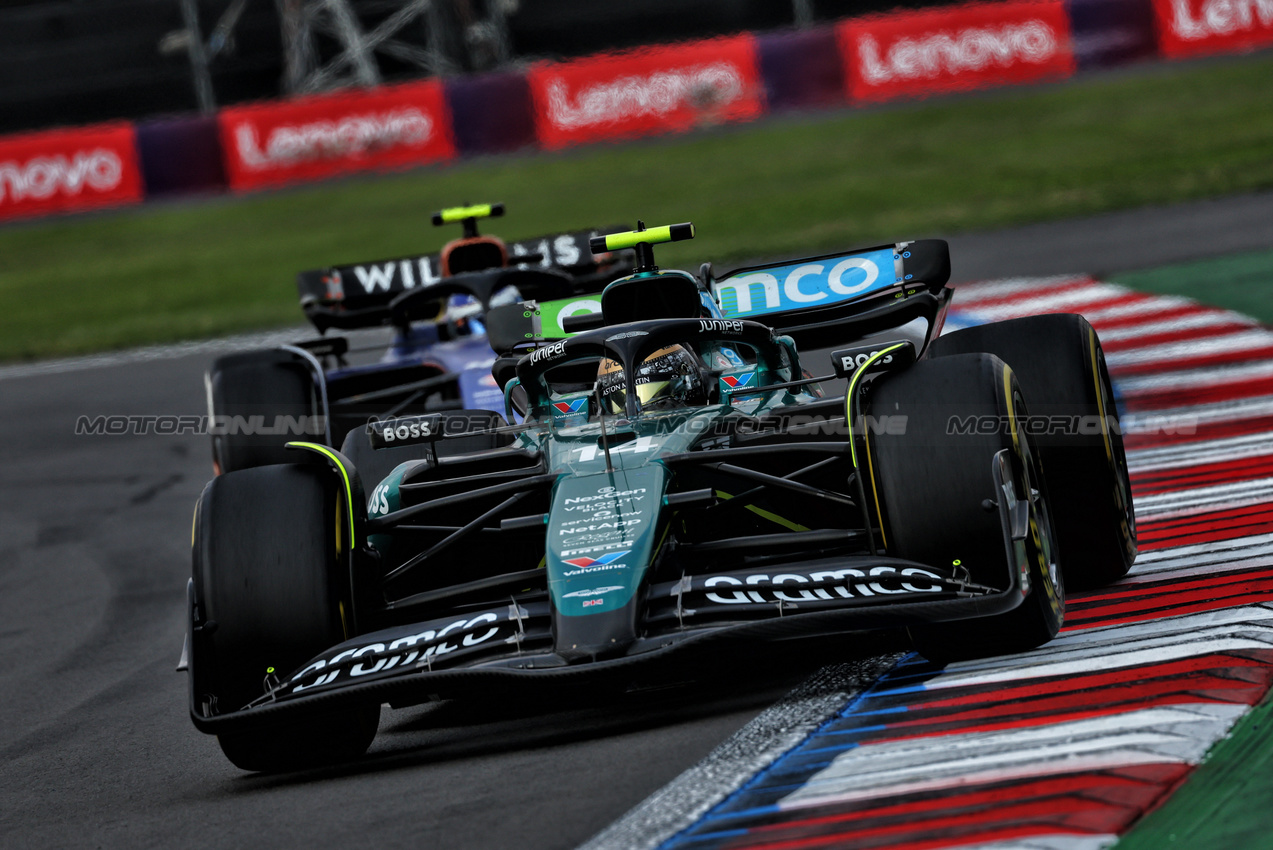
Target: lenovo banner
(322,136)
(910,54)
(67,170)
(1194,27)
(651,90)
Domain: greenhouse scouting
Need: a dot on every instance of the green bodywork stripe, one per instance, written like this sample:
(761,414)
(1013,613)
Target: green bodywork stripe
(764,514)
(461,213)
(349,490)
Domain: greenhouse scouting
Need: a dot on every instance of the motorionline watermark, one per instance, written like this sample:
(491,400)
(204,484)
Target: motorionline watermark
(1059,425)
(116,425)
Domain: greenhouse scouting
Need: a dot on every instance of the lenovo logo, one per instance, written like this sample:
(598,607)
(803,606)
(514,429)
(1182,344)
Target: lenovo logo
(1219,17)
(41,177)
(703,87)
(288,145)
(956,52)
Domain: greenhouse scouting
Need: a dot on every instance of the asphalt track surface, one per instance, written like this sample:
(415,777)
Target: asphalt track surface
(96,748)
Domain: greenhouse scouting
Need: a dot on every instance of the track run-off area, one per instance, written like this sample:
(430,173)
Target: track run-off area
(1067,746)
(1064,748)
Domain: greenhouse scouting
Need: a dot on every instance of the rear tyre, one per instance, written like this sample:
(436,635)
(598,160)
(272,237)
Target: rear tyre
(260,390)
(272,594)
(934,481)
(1059,362)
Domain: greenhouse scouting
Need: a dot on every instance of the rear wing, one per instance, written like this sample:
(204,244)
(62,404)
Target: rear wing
(360,294)
(828,299)
(818,301)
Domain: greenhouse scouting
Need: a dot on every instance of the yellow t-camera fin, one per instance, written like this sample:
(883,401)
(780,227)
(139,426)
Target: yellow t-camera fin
(649,235)
(454,214)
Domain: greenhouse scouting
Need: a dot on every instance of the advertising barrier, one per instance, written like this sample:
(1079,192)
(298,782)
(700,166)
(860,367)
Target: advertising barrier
(181,156)
(69,170)
(651,90)
(1111,32)
(910,54)
(801,69)
(311,138)
(1196,27)
(491,113)
(670,88)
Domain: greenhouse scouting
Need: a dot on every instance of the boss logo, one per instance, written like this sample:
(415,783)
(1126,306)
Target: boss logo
(405,431)
(848,361)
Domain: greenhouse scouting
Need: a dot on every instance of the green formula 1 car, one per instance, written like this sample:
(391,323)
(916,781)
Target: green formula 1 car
(674,479)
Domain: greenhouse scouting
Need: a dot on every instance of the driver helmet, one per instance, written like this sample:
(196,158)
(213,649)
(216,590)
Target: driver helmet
(668,378)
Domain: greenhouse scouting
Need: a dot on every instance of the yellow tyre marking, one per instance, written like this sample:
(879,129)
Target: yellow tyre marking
(1012,410)
(344,474)
(349,501)
(1100,396)
(849,395)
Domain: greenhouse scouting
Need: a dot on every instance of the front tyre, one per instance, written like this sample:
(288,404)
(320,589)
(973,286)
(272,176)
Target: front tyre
(271,594)
(258,401)
(937,494)
(1059,361)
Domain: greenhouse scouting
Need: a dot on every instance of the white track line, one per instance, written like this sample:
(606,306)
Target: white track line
(224,345)
(973,293)
(1165,735)
(1193,321)
(775,731)
(1200,453)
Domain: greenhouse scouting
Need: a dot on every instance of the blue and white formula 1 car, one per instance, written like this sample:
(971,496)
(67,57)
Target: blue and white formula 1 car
(439,357)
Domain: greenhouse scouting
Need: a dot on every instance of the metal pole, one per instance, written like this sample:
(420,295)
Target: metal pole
(198,58)
(802,11)
(365,71)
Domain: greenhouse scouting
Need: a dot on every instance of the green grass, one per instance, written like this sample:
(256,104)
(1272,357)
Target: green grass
(784,187)
(1240,282)
(1221,805)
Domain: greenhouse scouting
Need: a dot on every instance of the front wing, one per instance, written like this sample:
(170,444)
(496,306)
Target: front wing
(508,645)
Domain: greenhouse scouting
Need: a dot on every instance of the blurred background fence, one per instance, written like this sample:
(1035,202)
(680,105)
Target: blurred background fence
(109,102)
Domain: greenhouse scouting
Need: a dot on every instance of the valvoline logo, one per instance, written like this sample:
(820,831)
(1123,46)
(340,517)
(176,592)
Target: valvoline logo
(573,406)
(607,558)
(738,381)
